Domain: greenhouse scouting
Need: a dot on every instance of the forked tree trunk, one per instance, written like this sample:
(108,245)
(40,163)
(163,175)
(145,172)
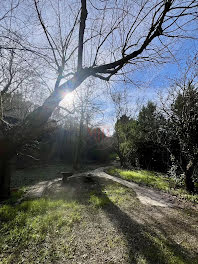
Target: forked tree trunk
(5,176)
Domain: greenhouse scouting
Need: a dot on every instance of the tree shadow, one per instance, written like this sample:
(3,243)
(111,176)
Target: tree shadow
(147,243)
(171,221)
(142,241)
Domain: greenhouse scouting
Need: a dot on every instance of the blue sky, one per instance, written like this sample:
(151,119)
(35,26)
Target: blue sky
(158,78)
(154,79)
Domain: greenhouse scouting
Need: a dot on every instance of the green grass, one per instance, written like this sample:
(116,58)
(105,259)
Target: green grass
(61,229)
(29,223)
(98,201)
(102,222)
(33,175)
(143,176)
(16,195)
(118,194)
(170,252)
(153,179)
(112,193)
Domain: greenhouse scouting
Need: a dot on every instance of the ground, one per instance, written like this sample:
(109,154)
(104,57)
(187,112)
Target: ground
(96,220)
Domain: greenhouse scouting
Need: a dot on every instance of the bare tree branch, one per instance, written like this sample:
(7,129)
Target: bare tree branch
(83,18)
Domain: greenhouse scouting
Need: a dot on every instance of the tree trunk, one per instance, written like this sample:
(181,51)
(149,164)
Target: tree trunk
(5,176)
(33,125)
(6,154)
(78,150)
(122,160)
(190,187)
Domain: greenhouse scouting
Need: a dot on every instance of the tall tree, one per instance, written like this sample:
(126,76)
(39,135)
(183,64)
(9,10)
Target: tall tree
(110,34)
(181,131)
(151,154)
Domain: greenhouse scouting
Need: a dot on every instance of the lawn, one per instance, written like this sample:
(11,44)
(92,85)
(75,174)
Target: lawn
(32,175)
(38,173)
(94,222)
(153,179)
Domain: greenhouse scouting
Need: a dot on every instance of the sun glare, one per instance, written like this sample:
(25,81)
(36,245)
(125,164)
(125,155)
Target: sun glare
(68,100)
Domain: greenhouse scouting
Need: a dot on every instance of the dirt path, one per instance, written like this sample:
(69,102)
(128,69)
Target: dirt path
(146,195)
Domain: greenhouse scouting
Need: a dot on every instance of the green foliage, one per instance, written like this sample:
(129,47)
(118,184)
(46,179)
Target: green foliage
(147,120)
(151,155)
(179,135)
(137,143)
(156,140)
(113,156)
(126,134)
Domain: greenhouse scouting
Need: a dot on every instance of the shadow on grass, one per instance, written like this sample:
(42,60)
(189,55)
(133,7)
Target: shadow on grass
(143,243)
(173,222)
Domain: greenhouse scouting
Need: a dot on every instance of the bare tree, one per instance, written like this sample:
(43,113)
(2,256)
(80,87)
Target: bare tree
(99,40)
(20,78)
(86,109)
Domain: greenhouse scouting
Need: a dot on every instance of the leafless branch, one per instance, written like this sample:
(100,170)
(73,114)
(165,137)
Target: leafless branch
(83,18)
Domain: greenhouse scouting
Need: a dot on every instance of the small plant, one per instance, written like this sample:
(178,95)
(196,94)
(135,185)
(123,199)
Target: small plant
(174,173)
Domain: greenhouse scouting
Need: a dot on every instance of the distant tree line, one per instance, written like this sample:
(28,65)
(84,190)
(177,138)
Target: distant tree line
(75,142)
(62,144)
(163,139)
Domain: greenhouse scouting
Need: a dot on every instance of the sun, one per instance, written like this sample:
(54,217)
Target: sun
(68,100)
